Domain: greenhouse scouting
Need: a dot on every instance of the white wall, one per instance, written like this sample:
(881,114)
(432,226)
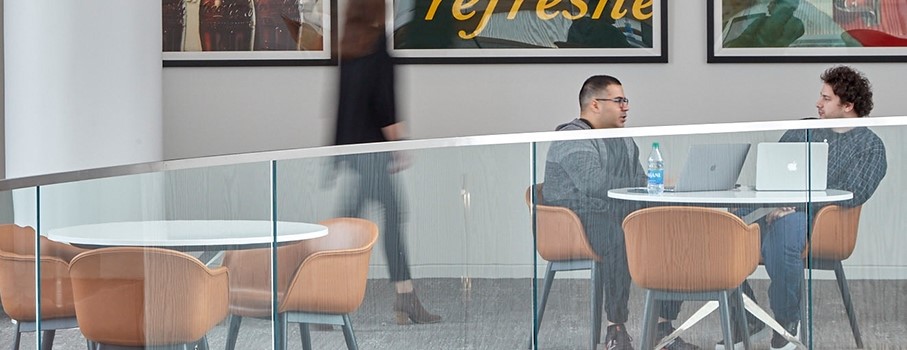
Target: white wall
(80,92)
(228,110)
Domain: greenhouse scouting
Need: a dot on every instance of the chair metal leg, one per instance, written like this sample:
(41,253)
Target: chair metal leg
(348,334)
(725,312)
(306,336)
(737,298)
(202,344)
(47,339)
(546,289)
(650,321)
(848,304)
(282,331)
(597,293)
(17,337)
(233,331)
(805,312)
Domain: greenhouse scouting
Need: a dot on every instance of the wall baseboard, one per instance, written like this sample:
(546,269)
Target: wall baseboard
(855,272)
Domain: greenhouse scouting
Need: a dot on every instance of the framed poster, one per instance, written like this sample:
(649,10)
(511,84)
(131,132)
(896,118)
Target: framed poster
(807,31)
(528,31)
(247,32)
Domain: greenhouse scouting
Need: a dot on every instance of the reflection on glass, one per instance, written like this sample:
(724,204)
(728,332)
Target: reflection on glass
(813,23)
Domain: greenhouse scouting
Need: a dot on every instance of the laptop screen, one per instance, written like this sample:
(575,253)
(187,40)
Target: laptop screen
(791,166)
(712,167)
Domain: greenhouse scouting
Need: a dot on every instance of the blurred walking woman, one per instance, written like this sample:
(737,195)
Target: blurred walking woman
(367,113)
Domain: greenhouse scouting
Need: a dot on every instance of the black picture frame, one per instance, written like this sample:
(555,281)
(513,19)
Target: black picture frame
(542,41)
(830,31)
(194,51)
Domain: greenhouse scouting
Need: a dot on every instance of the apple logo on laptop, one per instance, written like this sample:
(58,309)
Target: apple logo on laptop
(792,166)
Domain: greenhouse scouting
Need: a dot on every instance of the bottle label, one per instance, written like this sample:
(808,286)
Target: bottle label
(656,176)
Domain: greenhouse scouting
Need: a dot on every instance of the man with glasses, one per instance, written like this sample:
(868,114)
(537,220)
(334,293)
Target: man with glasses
(578,175)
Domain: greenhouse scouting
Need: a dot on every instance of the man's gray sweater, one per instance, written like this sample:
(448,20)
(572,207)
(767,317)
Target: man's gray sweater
(579,173)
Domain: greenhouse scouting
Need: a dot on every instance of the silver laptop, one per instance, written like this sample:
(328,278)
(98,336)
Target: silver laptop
(712,167)
(791,166)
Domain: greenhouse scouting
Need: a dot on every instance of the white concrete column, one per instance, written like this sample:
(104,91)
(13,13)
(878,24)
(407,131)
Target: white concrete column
(82,84)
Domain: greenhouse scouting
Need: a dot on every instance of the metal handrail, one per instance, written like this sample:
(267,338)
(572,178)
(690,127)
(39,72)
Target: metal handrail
(483,140)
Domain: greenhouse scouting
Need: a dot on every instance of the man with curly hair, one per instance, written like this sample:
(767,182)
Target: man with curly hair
(856,163)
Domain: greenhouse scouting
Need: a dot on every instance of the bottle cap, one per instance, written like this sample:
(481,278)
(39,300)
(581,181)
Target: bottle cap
(655,145)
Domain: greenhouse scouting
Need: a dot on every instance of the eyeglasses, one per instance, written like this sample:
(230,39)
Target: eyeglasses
(623,101)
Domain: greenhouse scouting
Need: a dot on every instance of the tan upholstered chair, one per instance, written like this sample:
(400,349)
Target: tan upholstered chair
(17,282)
(834,236)
(561,240)
(690,253)
(137,297)
(319,281)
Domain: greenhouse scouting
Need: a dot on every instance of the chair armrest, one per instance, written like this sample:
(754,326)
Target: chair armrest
(60,250)
(329,282)
(834,235)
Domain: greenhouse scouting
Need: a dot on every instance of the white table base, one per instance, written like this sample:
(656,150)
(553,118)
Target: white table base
(711,306)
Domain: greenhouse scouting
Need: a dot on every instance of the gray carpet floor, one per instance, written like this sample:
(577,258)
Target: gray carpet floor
(497,314)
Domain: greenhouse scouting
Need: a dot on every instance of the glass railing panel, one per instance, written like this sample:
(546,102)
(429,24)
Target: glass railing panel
(856,271)
(700,237)
(455,257)
(18,291)
(156,247)
(468,239)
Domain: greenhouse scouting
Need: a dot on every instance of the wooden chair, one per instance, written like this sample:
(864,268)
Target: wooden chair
(17,283)
(561,240)
(136,297)
(319,281)
(833,238)
(690,253)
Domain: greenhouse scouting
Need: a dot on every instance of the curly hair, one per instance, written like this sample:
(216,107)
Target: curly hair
(850,86)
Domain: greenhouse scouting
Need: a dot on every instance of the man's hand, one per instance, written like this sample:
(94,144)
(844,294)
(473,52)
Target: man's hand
(778,213)
(402,160)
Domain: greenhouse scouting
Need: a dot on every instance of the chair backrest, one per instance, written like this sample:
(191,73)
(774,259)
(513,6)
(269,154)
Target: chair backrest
(250,274)
(146,296)
(17,239)
(689,249)
(17,275)
(834,234)
(333,273)
(559,232)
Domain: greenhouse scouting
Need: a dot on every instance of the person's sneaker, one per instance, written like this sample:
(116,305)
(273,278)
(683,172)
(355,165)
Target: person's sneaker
(663,330)
(757,330)
(617,338)
(780,343)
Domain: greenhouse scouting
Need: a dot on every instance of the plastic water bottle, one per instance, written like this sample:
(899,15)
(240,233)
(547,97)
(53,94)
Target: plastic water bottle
(656,171)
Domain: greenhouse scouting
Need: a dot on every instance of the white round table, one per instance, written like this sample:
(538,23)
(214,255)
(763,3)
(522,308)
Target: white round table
(732,197)
(187,235)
